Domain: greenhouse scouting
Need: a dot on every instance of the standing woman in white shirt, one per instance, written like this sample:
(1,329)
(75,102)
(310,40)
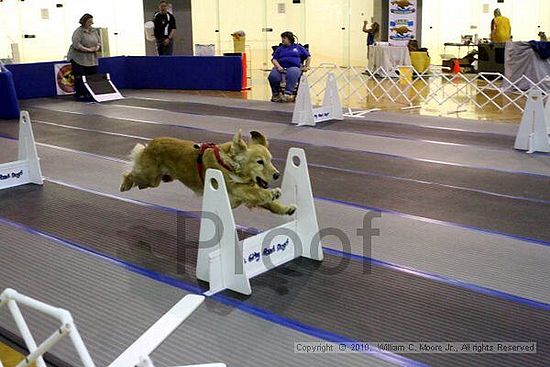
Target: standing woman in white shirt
(82,54)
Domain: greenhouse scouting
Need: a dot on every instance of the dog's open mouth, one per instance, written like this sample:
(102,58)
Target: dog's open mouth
(263,184)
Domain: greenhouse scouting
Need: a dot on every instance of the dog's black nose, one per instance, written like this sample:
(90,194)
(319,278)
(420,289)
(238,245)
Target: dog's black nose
(276,175)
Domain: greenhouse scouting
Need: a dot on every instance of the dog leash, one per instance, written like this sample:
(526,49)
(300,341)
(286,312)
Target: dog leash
(200,164)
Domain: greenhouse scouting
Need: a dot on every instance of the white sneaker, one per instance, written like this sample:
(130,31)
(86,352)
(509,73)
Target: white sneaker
(289,98)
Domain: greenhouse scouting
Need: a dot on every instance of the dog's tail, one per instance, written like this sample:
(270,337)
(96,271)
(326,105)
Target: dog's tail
(132,168)
(137,152)
(134,156)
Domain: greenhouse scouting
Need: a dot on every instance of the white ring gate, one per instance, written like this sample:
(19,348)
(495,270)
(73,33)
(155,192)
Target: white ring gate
(432,88)
(227,263)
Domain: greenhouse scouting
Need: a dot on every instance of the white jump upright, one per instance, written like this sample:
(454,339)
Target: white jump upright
(547,113)
(305,115)
(136,355)
(27,167)
(535,125)
(227,263)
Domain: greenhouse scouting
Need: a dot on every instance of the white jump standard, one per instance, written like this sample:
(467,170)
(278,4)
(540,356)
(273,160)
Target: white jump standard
(27,167)
(227,263)
(534,129)
(305,115)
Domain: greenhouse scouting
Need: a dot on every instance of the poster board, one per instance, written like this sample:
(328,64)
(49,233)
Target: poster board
(64,79)
(402,21)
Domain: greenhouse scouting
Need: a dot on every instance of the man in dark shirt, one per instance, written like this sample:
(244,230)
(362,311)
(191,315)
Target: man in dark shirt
(165,29)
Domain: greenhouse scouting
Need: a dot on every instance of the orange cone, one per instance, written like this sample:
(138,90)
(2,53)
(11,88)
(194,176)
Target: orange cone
(244,82)
(456,66)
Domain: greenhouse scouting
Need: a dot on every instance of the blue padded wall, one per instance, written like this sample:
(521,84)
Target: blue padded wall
(184,72)
(34,80)
(9,107)
(117,69)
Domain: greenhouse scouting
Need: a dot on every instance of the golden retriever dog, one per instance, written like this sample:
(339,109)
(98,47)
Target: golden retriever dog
(246,167)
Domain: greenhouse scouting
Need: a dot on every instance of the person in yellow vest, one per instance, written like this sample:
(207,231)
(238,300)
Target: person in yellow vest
(501,30)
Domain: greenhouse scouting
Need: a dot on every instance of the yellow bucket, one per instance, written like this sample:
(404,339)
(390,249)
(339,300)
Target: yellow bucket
(238,44)
(420,61)
(405,75)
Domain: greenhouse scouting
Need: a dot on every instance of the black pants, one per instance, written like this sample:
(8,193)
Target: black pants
(78,71)
(163,49)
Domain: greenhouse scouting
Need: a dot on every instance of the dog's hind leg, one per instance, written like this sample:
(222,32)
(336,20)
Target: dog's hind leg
(167,178)
(127,182)
(140,180)
(150,174)
(145,172)
(151,181)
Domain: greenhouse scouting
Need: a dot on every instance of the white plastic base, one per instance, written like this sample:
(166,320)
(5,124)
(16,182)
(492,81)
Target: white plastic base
(361,113)
(535,125)
(138,353)
(27,167)
(305,115)
(227,263)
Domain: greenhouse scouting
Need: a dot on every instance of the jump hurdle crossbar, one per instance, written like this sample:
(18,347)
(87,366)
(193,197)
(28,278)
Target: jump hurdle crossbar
(135,355)
(306,115)
(227,263)
(27,167)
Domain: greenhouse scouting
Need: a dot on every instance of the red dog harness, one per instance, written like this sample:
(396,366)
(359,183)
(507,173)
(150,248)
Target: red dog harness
(200,164)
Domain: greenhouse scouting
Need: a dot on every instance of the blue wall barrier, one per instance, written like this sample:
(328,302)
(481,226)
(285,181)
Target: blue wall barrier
(36,80)
(185,72)
(9,107)
(116,67)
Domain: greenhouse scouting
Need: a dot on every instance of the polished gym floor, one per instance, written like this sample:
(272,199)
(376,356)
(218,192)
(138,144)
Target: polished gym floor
(10,357)
(459,249)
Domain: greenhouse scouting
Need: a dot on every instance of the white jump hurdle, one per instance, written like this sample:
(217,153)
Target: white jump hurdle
(27,167)
(534,128)
(305,115)
(227,263)
(136,355)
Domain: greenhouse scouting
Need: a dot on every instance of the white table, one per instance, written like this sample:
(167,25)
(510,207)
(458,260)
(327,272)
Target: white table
(388,58)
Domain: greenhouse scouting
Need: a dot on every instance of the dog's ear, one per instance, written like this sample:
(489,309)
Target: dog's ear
(238,145)
(258,138)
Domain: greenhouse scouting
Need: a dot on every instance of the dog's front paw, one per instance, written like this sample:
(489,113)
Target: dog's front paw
(276,193)
(291,209)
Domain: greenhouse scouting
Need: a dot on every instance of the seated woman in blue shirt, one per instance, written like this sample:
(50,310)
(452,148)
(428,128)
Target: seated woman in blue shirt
(293,58)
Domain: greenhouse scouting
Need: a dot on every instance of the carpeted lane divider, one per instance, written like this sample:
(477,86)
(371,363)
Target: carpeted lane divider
(258,312)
